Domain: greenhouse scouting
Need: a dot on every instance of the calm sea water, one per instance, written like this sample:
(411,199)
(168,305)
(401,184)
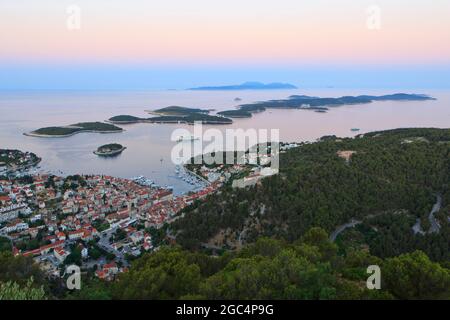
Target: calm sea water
(149,146)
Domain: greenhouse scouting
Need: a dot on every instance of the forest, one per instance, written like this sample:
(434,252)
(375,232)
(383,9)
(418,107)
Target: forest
(308,268)
(391,179)
(272,241)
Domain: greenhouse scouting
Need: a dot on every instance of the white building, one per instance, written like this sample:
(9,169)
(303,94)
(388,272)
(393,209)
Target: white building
(17,226)
(12,212)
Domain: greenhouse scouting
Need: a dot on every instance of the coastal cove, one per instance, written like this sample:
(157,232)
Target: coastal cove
(149,145)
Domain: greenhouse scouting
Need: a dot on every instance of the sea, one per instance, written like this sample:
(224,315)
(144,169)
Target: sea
(149,146)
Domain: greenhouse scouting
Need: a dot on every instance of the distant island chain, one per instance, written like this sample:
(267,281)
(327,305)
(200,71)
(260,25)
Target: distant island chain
(185,115)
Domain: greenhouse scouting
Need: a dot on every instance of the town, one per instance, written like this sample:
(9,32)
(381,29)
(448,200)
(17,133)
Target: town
(98,222)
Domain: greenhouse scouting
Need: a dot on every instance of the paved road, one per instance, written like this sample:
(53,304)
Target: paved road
(105,244)
(417,228)
(434,224)
(342,227)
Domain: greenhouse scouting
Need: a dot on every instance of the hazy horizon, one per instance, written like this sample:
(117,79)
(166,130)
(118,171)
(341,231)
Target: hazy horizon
(179,44)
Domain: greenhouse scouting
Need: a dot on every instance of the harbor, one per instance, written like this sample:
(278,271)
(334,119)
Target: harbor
(181,174)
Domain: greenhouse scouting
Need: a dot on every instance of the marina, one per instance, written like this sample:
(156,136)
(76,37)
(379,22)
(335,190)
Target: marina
(181,174)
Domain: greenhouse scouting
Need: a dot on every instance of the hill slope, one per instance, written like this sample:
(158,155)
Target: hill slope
(391,176)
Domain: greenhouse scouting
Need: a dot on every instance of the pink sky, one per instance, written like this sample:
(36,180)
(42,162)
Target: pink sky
(199,31)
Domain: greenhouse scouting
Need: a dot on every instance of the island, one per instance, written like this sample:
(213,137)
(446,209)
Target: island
(319,104)
(177,111)
(13,160)
(109,150)
(66,131)
(125,119)
(235,113)
(191,119)
(248,86)
(173,114)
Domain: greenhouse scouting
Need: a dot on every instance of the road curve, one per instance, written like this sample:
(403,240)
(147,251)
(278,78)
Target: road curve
(434,224)
(342,227)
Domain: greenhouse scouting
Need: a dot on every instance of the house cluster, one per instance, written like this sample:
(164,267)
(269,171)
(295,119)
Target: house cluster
(252,173)
(56,214)
(109,271)
(15,159)
(167,210)
(255,177)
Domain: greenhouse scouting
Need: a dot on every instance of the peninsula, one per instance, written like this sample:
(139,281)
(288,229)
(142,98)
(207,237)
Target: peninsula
(66,131)
(109,150)
(14,160)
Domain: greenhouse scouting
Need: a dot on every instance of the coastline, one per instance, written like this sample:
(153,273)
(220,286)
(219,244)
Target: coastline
(24,167)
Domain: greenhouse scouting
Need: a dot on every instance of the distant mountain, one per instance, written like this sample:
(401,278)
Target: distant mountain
(249,86)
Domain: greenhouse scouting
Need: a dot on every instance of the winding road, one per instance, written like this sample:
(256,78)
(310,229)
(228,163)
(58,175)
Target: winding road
(417,228)
(343,227)
(434,224)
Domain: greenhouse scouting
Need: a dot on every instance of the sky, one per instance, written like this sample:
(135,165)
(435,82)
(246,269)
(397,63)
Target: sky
(126,44)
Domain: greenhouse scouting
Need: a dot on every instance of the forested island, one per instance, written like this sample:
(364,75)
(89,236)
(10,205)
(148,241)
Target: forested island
(320,104)
(176,111)
(66,131)
(178,114)
(125,119)
(174,114)
(191,119)
(109,150)
(235,113)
